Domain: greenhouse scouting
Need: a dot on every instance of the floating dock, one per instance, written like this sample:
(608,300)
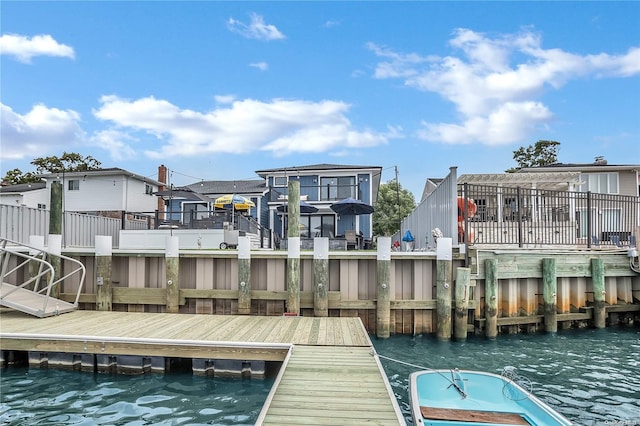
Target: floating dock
(330,372)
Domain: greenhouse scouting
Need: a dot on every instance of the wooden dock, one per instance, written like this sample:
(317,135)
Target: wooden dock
(330,373)
(331,385)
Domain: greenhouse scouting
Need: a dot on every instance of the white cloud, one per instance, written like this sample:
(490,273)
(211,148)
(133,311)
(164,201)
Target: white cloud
(116,143)
(41,130)
(279,126)
(331,23)
(24,48)
(225,99)
(262,66)
(495,83)
(256,29)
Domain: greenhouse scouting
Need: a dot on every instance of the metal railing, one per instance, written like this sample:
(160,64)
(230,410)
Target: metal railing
(42,278)
(530,217)
(317,192)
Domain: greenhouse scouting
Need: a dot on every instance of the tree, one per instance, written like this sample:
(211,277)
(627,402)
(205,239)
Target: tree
(542,153)
(68,162)
(394,204)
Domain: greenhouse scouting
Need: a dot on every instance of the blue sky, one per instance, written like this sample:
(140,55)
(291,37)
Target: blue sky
(218,90)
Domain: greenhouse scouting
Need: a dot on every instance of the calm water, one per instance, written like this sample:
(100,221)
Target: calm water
(590,376)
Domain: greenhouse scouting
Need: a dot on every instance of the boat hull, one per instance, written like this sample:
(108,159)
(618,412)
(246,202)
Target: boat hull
(474,398)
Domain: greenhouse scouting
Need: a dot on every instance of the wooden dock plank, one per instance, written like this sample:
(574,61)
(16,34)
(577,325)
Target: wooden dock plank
(302,333)
(331,385)
(297,330)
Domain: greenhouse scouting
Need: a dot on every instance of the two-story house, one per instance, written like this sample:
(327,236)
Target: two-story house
(106,192)
(607,182)
(321,185)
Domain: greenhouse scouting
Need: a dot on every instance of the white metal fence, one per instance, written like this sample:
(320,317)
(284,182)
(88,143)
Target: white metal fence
(438,210)
(17,223)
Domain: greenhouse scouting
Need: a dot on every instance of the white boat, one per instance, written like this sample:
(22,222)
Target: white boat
(462,397)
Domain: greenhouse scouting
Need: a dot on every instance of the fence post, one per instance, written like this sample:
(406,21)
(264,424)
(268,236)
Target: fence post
(103,273)
(589,224)
(549,294)
(383,301)
(244,275)
(491,298)
(172,268)
(444,266)
(462,303)
(519,210)
(293,248)
(597,278)
(467,225)
(321,276)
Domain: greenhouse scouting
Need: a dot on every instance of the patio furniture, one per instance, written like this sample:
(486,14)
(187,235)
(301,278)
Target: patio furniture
(352,239)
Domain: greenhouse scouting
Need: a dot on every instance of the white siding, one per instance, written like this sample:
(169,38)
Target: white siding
(27,199)
(108,193)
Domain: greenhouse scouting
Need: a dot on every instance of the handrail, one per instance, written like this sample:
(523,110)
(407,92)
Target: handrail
(45,269)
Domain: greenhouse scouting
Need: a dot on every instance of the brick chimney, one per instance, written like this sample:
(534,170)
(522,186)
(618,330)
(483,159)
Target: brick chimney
(162,177)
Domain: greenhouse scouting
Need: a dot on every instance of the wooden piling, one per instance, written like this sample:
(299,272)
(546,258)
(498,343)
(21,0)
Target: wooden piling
(244,276)
(549,294)
(491,298)
(383,303)
(56,216)
(463,276)
(103,273)
(597,278)
(172,268)
(444,272)
(321,276)
(37,242)
(293,248)
(55,208)
(55,250)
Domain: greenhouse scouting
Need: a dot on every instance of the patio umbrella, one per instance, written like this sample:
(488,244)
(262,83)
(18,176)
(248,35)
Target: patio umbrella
(305,208)
(351,206)
(234,201)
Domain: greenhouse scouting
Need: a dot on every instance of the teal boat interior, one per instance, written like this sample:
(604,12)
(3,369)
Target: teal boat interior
(461,397)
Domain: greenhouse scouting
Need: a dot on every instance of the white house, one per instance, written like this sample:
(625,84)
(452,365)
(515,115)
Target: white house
(33,195)
(106,190)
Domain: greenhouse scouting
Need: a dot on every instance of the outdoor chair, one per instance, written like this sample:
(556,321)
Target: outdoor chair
(615,240)
(352,241)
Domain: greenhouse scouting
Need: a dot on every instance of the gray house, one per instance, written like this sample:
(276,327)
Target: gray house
(321,185)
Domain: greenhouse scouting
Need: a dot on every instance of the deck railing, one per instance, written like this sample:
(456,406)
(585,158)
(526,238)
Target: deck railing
(530,217)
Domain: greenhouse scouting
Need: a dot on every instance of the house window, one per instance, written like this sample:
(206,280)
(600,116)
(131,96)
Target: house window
(611,220)
(42,206)
(73,185)
(280,181)
(583,222)
(148,189)
(601,183)
(337,188)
